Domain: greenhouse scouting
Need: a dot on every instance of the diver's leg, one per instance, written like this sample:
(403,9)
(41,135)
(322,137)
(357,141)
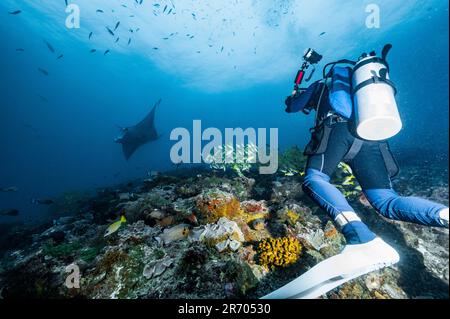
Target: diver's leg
(317,185)
(409,209)
(370,171)
(364,251)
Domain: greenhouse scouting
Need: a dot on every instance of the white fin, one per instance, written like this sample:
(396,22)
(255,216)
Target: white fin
(353,262)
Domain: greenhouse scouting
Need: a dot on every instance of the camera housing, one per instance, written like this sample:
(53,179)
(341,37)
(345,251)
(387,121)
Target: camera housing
(312,56)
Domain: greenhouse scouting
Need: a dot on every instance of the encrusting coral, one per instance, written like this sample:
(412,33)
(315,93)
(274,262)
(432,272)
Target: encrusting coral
(279,252)
(216,204)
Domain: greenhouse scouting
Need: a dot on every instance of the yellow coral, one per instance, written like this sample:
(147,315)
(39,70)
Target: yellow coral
(292,217)
(251,217)
(279,252)
(216,205)
(215,208)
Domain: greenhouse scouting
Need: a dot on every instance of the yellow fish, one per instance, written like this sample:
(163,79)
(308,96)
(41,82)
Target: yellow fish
(349,180)
(115,226)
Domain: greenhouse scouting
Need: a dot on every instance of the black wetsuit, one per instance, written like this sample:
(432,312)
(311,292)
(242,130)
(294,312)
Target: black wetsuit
(368,165)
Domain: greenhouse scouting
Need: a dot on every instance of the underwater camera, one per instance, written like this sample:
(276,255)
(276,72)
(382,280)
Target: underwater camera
(310,57)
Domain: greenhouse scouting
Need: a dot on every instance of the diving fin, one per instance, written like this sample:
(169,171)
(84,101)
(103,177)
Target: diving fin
(353,262)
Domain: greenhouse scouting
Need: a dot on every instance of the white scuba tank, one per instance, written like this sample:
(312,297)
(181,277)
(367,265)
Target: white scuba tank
(376,113)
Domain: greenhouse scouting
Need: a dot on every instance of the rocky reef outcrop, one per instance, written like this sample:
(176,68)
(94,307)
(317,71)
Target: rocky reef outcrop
(212,234)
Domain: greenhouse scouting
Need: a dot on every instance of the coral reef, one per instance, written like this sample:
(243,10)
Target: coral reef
(214,204)
(224,235)
(292,162)
(212,234)
(278,252)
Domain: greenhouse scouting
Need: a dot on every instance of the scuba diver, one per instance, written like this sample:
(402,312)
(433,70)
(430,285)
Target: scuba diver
(356,113)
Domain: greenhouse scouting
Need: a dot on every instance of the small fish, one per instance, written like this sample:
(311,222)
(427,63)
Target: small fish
(349,181)
(42,98)
(106,52)
(93,51)
(345,167)
(117,25)
(322,34)
(170,11)
(15,12)
(117,40)
(50,47)
(9,212)
(20,50)
(175,233)
(288,173)
(152,173)
(115,226)
(90,35)
(100,11)
(60,57)
(192,219)
(45,72)
(42,201)
(110,31)
(129,41)
(9,189)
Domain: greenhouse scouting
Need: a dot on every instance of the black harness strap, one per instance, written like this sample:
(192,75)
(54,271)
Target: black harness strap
(389,160)
(354,150)
(375,80)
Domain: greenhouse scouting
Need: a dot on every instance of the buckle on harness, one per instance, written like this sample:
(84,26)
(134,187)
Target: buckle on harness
(333,118)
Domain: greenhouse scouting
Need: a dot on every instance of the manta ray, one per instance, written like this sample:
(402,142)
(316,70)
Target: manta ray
(142,133)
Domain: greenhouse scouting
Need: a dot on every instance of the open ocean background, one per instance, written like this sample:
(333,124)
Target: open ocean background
(228,63)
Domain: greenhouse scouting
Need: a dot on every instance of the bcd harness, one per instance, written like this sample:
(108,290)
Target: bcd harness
(339,108)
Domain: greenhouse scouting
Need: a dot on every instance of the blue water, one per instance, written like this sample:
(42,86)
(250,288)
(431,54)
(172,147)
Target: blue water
(57,131)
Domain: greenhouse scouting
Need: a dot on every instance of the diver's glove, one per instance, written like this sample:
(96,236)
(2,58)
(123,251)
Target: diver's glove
(289,100)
